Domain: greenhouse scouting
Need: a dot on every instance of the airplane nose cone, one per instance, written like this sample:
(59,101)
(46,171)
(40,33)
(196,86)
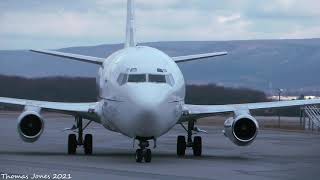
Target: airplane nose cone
(148,101)
(150,107)
(148,111)
(148,97)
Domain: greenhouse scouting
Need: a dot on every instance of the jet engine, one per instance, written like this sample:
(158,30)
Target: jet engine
(30,126)
(242,129)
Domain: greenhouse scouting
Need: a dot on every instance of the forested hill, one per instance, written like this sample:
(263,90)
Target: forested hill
(258,64)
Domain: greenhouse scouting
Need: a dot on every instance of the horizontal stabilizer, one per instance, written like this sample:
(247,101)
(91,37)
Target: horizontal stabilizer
(76,57)
(181,59)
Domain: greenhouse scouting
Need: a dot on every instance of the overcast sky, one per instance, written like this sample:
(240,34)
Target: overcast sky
(28,24)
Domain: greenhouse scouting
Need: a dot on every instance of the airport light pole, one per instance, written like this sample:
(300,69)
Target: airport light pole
(279,93)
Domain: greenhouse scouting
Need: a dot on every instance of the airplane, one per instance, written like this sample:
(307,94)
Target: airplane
(141,95)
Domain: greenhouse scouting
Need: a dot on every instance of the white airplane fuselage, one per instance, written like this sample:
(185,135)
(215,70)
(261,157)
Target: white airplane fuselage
(142,92)
(142,96)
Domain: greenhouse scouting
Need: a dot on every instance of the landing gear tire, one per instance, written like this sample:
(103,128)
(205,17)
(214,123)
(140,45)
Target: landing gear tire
(87,145)
(75,141)
(139,155)
(72,144)
(197,146)
(143,153)
(147,156)
(181,146)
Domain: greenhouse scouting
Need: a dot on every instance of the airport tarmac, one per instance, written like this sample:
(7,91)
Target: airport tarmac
(274,155)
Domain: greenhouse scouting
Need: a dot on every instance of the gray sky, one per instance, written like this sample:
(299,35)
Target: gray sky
(28,24)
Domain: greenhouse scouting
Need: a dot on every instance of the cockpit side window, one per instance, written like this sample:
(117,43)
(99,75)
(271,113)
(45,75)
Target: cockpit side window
(157,78)
(137,78)
(170,79)
(122,79)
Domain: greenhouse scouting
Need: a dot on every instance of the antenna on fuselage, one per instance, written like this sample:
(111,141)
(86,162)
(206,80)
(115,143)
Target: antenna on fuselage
(130,27)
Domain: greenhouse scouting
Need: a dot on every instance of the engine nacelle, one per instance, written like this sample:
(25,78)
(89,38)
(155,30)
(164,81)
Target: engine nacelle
(242,130)
(30,126)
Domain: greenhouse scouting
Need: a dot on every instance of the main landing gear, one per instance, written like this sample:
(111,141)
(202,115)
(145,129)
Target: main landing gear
(143,153)
(196,144)
(74,142)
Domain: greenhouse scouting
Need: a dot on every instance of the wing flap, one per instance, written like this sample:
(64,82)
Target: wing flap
(77,57)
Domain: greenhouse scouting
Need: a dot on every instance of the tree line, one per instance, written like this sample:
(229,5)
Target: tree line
(68,89)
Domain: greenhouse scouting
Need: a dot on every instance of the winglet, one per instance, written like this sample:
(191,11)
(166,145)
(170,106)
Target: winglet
(130,29)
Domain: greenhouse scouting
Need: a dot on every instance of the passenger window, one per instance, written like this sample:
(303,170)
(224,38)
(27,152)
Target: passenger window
(137,78)
(133,70)
(157,78)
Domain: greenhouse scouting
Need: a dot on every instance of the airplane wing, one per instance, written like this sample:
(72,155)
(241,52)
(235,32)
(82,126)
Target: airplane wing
(200,111)
(77,57)
(180,59)
(64,108)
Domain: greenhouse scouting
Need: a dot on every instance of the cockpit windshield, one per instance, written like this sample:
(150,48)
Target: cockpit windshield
(164,78)
(137,78)
(157,78)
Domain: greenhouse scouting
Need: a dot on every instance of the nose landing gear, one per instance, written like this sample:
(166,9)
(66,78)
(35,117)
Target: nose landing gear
(143,153)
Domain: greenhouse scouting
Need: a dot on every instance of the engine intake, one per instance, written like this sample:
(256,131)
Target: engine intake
(30,126)
(242,130)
